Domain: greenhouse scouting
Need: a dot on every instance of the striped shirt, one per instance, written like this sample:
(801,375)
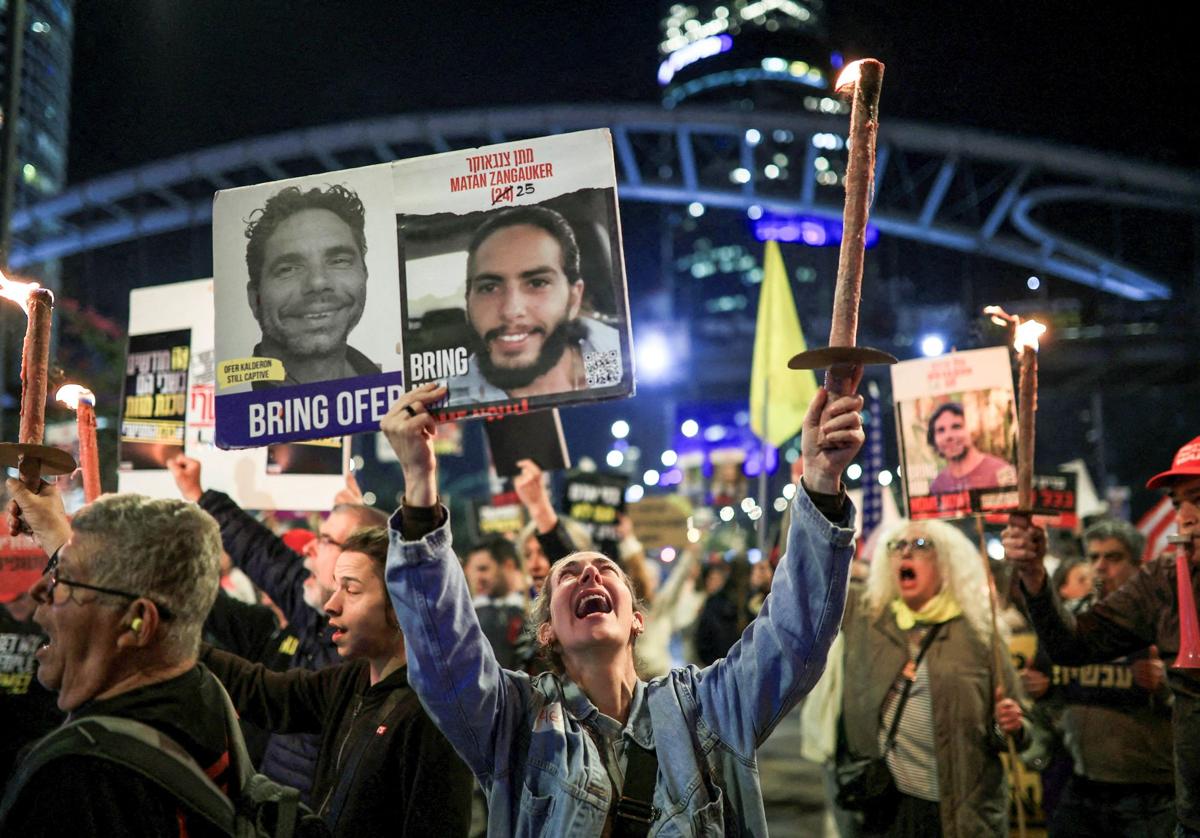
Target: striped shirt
(912,759)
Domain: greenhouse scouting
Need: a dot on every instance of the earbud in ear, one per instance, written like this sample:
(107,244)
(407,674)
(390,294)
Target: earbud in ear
(136,625)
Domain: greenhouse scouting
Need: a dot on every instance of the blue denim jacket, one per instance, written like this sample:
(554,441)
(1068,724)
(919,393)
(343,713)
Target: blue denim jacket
(525,738)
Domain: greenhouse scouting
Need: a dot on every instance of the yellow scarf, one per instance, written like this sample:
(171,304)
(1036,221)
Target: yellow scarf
(941,608)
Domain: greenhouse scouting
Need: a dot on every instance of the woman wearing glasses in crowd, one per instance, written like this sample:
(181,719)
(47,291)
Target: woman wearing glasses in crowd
(917,637)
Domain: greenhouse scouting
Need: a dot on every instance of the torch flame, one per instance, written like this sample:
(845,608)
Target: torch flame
(1027,334)
(17,291)
(849,76)
(72,394)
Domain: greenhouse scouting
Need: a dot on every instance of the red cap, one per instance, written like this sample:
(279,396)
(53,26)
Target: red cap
(298,538)
(1185,464)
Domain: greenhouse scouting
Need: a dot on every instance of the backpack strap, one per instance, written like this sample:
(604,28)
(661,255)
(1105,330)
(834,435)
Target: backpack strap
(137,747)
(635,811)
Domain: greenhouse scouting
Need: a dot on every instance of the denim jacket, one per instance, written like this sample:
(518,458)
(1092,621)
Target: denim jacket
(527,740)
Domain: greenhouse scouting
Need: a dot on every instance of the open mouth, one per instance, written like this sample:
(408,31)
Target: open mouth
(594,603)
(907,574)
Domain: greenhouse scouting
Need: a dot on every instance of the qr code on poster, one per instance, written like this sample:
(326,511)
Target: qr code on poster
(602,368)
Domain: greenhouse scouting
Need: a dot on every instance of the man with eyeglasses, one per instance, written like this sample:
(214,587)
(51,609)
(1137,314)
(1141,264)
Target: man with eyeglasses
(299,585)
(122,602)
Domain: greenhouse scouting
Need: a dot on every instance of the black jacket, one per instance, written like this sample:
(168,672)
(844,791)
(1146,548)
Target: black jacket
(383,769)
(279,571)
(83,795)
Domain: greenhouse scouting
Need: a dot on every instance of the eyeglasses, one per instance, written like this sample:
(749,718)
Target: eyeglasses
(918,545)
(56,580)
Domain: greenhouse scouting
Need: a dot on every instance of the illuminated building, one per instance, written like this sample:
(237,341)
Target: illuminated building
(41,164)
(45,105)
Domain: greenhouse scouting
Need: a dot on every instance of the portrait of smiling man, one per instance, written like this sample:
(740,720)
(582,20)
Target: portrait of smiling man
(525,297)
(308,282)
(966,466)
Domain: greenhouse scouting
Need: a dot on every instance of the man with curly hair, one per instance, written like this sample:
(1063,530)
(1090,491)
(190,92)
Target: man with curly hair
(308,282)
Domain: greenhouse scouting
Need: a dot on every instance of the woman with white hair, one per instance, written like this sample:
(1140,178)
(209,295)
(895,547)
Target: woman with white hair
(919,688)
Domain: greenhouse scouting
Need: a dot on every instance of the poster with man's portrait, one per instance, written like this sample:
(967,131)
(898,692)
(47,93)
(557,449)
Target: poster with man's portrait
(957,429)
(514,290)
(171,331)
(308,307)
(496,271)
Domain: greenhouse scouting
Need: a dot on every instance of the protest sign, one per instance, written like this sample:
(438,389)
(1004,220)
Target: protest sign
(293,476)
(497,271)
(956,426)
(531,436)
(596,500)
(660,521)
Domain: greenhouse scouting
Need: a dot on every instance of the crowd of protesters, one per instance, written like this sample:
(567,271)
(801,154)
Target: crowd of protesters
(388,674)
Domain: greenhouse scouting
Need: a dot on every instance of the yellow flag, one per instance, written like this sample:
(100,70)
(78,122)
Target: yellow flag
(779,397)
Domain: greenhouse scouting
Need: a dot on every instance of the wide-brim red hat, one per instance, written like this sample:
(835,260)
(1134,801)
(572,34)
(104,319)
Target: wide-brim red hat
(1185,464)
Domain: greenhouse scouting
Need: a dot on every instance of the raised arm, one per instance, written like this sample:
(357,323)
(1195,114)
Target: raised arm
(41,513)
(261,554)
(1121,623)
(782,653)
(478,706)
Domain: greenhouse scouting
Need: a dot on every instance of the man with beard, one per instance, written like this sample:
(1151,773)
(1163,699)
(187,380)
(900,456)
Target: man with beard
(308,283)
(524,298)
(966,466)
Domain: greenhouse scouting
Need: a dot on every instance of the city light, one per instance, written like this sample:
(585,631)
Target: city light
(634,493)
(690,54)
(854,471)
(693,534)
(620,429)
(653,356)
(1033,283)
(650,478)
(669,458)
(789,491)
(748,504)
(666,555)
(753,136)
(740,175)
(754,211)
(695,209)
(932,346)
(689,428)
(885,478)
(726,513)
(614,458)
(772,172)
(780,504)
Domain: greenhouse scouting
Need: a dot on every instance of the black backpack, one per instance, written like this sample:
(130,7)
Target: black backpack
(262,808)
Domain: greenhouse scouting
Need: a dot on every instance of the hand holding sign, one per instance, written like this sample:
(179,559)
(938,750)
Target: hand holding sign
(530,487)
(410,430)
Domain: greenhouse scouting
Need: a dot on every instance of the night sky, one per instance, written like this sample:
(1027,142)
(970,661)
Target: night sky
(155,78)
